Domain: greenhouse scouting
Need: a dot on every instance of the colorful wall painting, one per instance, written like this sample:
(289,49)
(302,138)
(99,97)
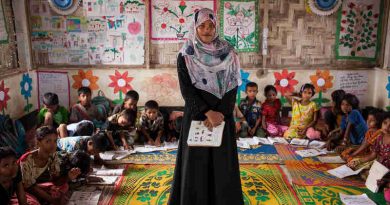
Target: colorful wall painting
(285,83)
(120,83)
(26,90)
(4,97)
(85,79)
(322,81)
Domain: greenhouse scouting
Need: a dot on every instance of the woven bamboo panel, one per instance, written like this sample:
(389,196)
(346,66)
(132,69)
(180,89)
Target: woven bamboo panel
(8,59)
(295,39)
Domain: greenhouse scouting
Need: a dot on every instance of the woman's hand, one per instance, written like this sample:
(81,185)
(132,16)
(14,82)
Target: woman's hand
(215,118)
(208,124)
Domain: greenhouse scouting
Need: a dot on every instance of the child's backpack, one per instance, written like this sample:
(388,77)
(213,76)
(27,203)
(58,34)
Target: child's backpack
(102,103)
(12,134)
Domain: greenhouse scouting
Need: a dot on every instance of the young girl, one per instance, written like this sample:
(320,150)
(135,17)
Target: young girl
(10,178)
(369,139)
(353,127)
(304,115)
(333,117)
(270,113)
(41,169)
(380,152)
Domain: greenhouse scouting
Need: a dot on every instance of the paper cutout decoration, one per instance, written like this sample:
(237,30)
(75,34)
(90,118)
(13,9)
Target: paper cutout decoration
(85,79)
(357,34)
(4,97)
(322,81)
(64,7)
(324,7)
(170,19)
(25,90)
(239,24)
(242,88)
(284,83)
(120,83)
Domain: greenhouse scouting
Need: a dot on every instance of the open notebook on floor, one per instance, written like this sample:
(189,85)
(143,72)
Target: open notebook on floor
(200,136)
(356,199)
(377,171)
(101,180)
(85,197)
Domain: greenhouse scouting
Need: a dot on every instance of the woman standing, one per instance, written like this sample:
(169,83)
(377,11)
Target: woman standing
(209,74)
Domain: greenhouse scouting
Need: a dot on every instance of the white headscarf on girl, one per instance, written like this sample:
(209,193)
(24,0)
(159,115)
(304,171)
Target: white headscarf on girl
(213,67)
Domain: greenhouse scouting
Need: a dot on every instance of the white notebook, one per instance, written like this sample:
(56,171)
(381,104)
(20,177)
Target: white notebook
(201,136)
(376,172)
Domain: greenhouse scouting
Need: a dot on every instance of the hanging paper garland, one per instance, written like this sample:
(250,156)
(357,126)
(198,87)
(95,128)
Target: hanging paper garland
(64,7)
(324,7)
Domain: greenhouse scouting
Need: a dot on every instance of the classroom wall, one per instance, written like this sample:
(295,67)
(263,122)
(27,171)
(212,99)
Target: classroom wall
(17,102)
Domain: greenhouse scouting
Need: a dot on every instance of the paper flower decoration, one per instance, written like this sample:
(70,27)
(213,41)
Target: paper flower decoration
(4,97)
(244,80)
(85,79)
(25,90)
(284,83)
(322,81)
(120,83)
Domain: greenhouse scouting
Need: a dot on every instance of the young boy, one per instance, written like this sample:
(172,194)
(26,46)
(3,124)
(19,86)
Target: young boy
(10,177)
(52,114)
(82,128)
(130,102)
(85,110)
(121,126)
(152,124)
(251,109)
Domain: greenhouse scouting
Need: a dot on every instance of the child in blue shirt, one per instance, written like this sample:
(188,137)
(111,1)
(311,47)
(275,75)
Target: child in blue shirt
(353,126)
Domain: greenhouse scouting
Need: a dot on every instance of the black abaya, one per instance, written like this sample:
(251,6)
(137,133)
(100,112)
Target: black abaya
(204,175)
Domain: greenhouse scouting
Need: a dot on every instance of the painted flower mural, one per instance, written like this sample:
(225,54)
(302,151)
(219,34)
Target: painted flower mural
(120,83)
(4,97)
(26,89)
(167,86)
(322,81)
(245,80)
(85,79)
(284,83)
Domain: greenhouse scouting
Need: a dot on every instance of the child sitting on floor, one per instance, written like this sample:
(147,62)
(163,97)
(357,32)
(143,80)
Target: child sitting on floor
(380,152)
(85,110)
(118,128)
(92,145)
(152,124)
(52,114)
(353,126)
(251,109)
(270,113)
(82,128)
(333,117)
(174,125)
(41,169)
(304,115)
(130,102)
(369,139)
(10,177)
(78,159)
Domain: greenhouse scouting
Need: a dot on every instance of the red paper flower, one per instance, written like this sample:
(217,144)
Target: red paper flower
(120,82)
(4,97)
(285,82)
(182,3)
(344,12)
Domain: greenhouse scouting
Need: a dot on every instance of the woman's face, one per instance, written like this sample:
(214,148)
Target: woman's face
(206,31)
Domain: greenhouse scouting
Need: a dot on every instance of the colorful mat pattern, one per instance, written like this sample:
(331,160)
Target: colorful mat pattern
(314,173)
(265,154)
(150,184)
(313,195)
(287,152)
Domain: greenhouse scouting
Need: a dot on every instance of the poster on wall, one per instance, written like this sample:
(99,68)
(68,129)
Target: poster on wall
(170,19)
(55,82)
(109,32)
(358,33)
(3,26)
(239,24)
(355,82)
